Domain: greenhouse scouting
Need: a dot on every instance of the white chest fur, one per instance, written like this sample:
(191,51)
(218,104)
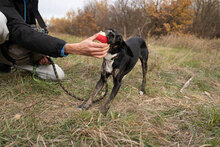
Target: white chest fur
(109,61)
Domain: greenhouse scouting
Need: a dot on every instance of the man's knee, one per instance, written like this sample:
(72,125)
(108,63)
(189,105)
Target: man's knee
(4,33)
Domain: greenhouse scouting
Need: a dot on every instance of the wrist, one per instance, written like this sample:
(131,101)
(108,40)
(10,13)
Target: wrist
(72,48)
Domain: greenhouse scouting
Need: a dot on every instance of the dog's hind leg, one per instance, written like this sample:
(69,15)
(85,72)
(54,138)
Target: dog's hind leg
(144,58)
(100,84)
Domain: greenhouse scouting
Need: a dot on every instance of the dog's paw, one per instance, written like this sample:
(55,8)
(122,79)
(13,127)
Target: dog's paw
(80,106)
(84,106)
(141,93)
(104,110)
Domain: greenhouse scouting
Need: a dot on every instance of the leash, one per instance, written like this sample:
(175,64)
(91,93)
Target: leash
(71,94)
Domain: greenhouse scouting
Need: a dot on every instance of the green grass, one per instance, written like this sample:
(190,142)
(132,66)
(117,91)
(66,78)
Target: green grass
(41,114)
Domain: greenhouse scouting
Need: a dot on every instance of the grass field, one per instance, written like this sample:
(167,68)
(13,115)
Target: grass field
(34,113)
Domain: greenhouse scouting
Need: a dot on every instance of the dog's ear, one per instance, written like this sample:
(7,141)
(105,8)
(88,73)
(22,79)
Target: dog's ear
(119,39)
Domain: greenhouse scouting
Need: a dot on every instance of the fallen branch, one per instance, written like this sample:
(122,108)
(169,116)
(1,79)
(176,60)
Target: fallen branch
(186,85)
(208,94)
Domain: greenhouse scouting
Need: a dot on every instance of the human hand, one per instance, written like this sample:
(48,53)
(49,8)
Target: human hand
(44,61)
(88,48)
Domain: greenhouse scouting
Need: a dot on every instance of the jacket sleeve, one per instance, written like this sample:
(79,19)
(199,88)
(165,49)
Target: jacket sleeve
(20,33)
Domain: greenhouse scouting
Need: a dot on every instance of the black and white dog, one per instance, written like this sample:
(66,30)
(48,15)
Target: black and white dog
(120,60)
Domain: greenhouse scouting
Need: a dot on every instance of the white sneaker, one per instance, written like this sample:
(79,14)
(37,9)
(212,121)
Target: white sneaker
(45,72)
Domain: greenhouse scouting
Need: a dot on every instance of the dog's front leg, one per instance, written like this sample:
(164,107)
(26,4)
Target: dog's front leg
(117,84)
(87,103)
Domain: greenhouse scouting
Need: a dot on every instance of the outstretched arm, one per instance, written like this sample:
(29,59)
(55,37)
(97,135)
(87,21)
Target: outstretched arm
(88,48)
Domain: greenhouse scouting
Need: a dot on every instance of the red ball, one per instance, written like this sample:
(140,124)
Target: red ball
(102,38)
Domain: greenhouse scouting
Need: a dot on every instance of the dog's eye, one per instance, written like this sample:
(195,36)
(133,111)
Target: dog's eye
(111,34)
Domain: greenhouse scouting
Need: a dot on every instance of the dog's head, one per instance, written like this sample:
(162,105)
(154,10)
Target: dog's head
(114,37)
(116,42)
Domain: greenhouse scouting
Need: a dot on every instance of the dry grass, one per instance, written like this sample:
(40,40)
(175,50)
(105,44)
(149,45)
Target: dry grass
(41,114)
(186,41)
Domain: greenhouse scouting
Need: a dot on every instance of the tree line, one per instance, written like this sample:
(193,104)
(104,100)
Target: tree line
(143,18)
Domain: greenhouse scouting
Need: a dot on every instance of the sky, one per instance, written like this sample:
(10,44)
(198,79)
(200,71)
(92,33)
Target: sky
(58,8)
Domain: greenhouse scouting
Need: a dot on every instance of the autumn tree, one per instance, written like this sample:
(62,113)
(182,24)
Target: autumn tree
(86,23)
(128,17)
(64,24)
(143,18)
(206,22)
(169,16)
(101,13)
(59,25)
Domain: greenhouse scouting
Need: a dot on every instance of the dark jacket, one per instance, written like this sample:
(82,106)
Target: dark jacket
(22,34)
